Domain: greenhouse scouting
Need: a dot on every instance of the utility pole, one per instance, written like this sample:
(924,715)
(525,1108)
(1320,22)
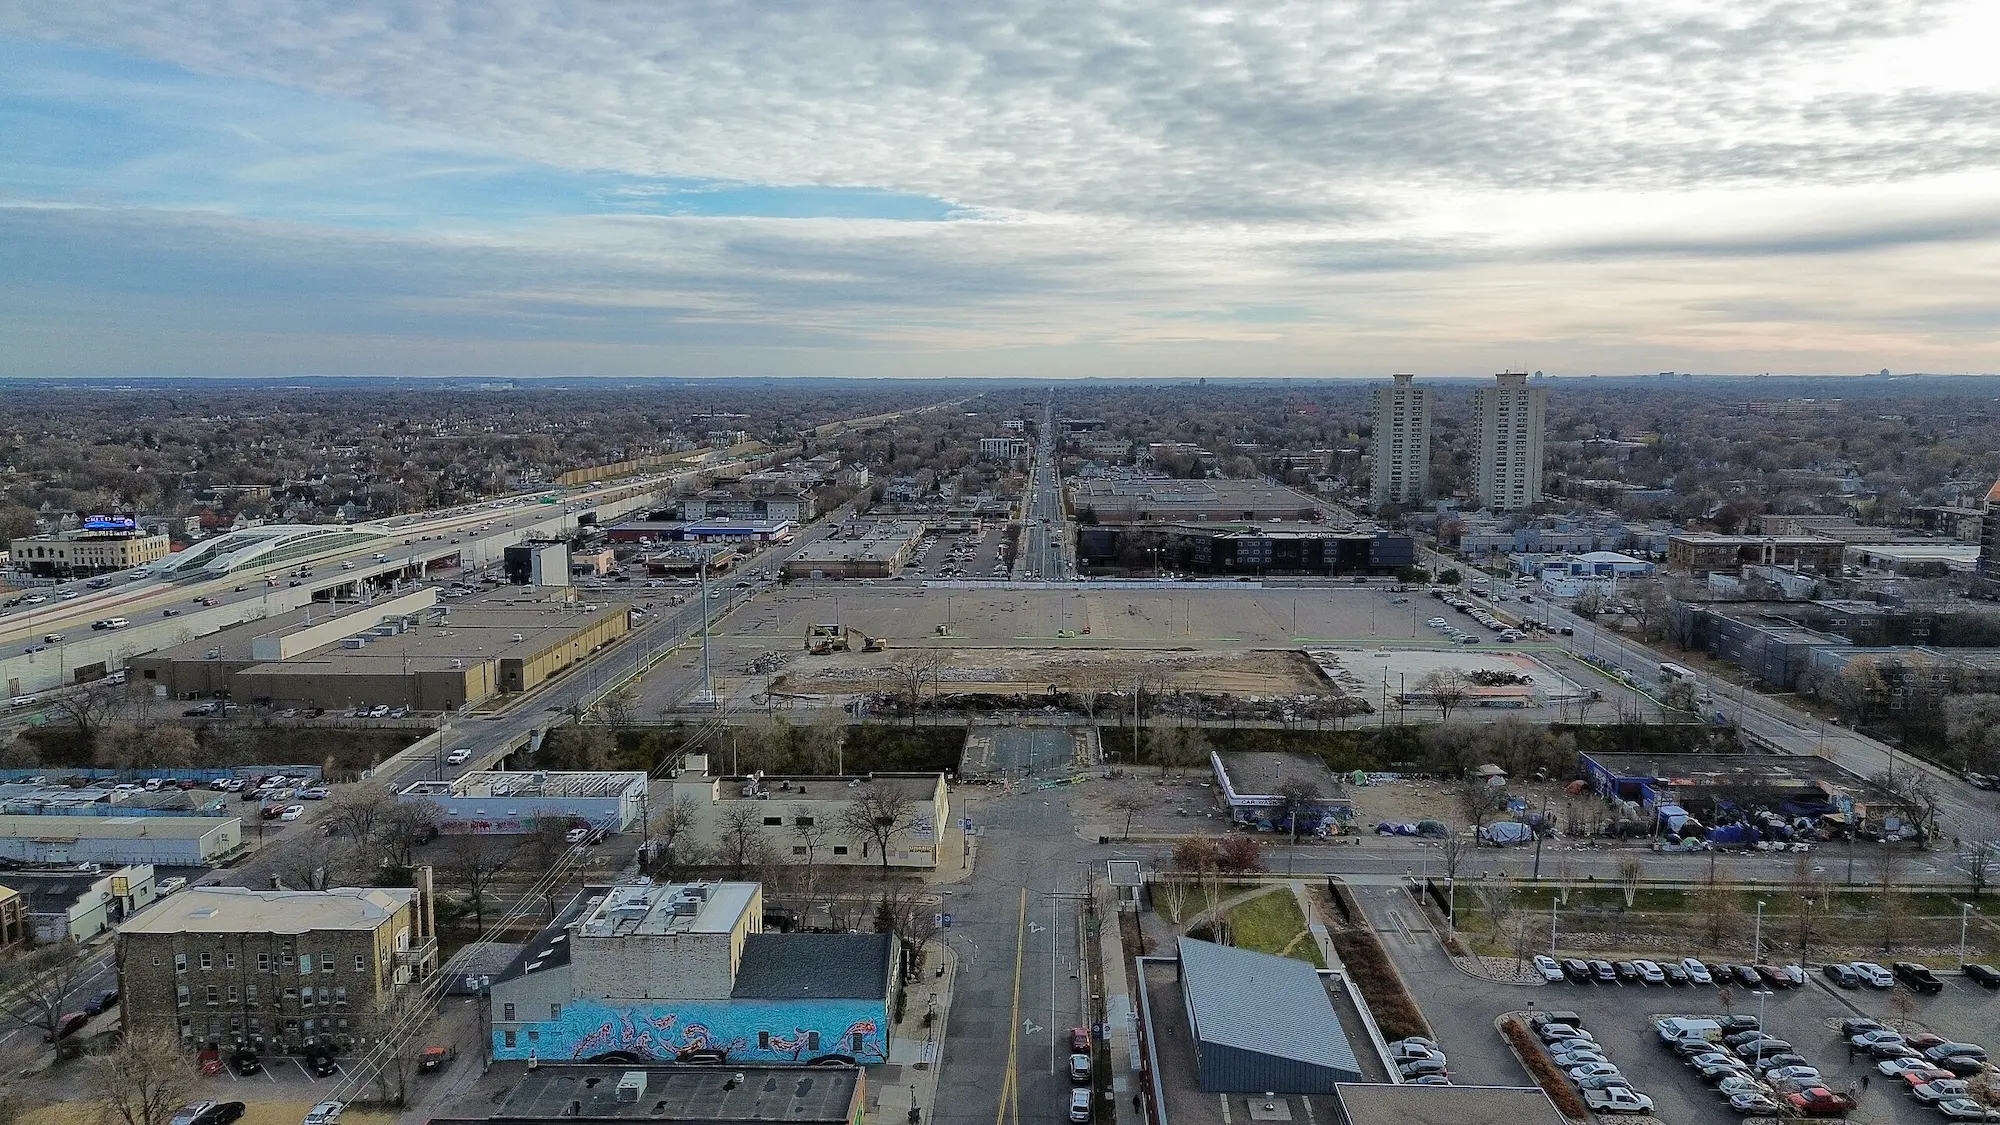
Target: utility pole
(707,696)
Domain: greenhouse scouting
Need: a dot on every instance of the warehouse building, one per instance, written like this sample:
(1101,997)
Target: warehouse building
(404,652)
(1261,1023)
(168,841)
(678,972)
(878,551)
(1164,500)
(509,803)
(1244,549)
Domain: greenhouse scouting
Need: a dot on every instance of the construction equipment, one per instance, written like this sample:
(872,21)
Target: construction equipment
(835,637)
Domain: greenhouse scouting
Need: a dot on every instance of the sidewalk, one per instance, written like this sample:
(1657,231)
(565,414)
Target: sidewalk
(1121,1020)
(909,1079)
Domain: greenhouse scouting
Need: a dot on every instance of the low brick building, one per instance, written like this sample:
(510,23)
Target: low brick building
(277,970)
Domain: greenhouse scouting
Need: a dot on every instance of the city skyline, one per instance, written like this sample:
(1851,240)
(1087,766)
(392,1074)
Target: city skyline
(854,191)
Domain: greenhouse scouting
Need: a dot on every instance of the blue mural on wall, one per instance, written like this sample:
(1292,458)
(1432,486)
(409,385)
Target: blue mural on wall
(757,1031)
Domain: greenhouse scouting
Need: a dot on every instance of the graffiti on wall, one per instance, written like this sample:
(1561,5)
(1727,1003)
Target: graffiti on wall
(738,1030)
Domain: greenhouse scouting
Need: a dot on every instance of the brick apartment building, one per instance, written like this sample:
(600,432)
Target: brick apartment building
(277,970)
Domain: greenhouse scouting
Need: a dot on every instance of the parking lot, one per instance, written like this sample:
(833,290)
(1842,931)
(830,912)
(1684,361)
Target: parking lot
(1462,1010)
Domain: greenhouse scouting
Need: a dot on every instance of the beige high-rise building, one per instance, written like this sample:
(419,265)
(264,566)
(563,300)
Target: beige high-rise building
(1510,442)
(1402,443)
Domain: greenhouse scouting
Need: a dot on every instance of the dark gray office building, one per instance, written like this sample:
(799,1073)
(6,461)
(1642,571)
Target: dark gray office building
(1261,1023)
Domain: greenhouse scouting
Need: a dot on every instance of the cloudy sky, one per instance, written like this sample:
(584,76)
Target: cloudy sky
(1009,187)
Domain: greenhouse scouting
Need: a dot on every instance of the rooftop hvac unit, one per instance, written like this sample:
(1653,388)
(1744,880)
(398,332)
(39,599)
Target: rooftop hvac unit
(354,642)
(518,638)
(686,908)
(632,1086)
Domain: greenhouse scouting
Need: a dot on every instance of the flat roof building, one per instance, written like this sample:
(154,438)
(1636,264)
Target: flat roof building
(1401,443)
(1699,553)
(486,803)
(670,972)
(798,818)
(75,553)
(878,551)
(1170,500)
(1510,415)
(169,841)
(680,1095)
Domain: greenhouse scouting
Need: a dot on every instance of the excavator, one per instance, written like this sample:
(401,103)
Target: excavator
(835,637)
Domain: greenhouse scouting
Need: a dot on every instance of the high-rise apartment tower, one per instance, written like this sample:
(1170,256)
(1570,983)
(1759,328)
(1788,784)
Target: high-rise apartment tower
(1402,443)
(1510,442)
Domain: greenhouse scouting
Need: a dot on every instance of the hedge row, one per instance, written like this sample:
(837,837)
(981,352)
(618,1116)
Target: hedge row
(1544,1070)
(1396,1013)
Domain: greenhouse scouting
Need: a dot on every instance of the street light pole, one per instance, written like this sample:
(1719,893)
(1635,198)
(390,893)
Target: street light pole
(1964,916)
(1757,943)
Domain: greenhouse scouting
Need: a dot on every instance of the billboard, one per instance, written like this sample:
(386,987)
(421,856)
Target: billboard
(109,523)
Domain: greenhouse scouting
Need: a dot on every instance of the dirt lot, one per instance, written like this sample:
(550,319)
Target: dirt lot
(1031,671)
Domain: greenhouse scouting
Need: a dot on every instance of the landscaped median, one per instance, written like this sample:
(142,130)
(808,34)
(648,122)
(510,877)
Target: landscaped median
(1369,969)
(1514,1028)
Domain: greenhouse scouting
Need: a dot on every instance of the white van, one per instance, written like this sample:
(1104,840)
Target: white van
(1676,1028)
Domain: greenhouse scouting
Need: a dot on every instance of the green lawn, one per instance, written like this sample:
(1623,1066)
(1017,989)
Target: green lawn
(1272,923)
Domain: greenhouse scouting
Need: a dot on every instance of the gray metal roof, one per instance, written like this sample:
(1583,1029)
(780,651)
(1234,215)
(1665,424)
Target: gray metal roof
(1257,1002)
(813,967)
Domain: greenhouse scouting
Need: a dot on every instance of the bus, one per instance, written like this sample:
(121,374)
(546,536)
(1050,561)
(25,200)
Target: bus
(1671,674)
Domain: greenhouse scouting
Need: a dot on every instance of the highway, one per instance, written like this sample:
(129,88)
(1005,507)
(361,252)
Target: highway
(1044,553)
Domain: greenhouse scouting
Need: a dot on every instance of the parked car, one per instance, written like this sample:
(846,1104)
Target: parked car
(1081,1035)
(1696,971)
(1796,1074)
(1938,1089)
(1897,1068)
(244,1061)
(434,1059)
(1873,975)
(1772,976)
(1676,976)
(1783,1060)
(68,1025)
(169,885)
(1079,1070)
(291,813)
(104,1002)
(1918,978)
(1714,1066)
(1416,1068)
(319,1059)
(1079,1104)
(1938,1052)
(208,1113)
(1748,976)
(1576,969)
(1550,970)
(325,1113)
(1843,976)
(1603,973)
(1881,1036)
(1749,1103)
(1617,1099)
(1965,1109)
(1855,1025)
(1604,1081)
(1961,1066)
(1591,1070)
(1410,1052)
(1818,1101)
(1740,1084)
(1985,975)
(1649,972)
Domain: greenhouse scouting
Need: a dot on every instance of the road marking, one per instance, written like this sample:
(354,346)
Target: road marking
(1010,1090)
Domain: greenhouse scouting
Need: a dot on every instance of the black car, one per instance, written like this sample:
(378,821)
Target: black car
(1576,969)
(1986,975)
(244,1061)
(319,1059)
(210,1113)
(1765,1047)
(1675,975)
(1627,972)
(104,1002)
(1732,1024)
(1746,975)
(1736,1039)
(1962,1066)
(1918,978)
(1603,973)
(1843,976)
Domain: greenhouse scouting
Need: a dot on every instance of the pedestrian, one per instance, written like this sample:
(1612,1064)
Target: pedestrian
(1864,1081)
(1850,1052)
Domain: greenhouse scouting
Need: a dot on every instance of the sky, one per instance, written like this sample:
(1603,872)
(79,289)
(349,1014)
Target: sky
(1016,188)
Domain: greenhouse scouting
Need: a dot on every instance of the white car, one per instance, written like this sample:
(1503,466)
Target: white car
(576,835)
(316,793)
(1874,975)
(1591,1070)
(292,813)
(1696,971)
(1649,972)
(325,1113)
(458,757)
(169,885)
(1546,965)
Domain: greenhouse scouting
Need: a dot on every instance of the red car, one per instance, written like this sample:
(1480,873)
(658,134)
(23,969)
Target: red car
(1818,1101)
(70,1024)
(1079,1040)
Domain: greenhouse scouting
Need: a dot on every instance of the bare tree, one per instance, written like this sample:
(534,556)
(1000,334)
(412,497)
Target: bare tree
(308,863)
(1918,792)
(1297,798)
(548,846)
(359,811)
(1478,800)
(147,748)
(1453,850)
(615,710)
(1588,605)
(674,847)
(1630,872)
(86,709)
(740,837)
(878,815)
(144,1081)
(825,738)
(1811,894)
(1131,804)
(472,862)
(1447,688)
(44,982)
(910,674)
(406,824)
